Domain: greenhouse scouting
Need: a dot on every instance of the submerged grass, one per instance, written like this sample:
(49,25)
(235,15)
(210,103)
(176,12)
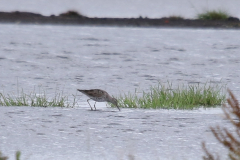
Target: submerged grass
(213,15)
(183,97)
(36,99)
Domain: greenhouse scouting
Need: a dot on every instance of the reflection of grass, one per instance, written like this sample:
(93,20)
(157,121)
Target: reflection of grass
(36,99)
(183,97)
(213,15)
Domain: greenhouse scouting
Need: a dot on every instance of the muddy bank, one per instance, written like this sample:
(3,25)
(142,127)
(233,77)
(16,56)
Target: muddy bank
(71,18)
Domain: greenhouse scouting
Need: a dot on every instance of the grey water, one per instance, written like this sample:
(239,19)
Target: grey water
(118,60)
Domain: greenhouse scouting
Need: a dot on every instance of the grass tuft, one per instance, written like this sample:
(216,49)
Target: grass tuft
(213,15)
(36,99)
(18,154)
(183,97)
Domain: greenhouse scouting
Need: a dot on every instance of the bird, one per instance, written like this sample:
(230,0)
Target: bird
(99,95)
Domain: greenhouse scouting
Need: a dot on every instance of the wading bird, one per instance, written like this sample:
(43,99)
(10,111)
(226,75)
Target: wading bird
(99,95)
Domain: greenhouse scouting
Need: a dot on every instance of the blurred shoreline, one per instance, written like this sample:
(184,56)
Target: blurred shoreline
(73,18)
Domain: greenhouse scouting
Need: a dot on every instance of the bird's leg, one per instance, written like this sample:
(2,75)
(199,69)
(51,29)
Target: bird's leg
(95,106)
(90,105)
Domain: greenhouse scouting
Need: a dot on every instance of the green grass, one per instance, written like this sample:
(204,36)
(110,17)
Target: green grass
(213,15)
(182,97)
(34,99)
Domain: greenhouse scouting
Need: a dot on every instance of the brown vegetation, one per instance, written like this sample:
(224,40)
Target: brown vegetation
(230,140)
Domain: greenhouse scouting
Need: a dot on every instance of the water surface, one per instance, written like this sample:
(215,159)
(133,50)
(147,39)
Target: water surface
(116,60)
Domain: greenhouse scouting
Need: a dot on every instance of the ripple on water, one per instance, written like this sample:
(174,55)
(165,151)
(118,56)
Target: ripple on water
(63,57)
(94,45)
(90,39)
(127,130)
(183,119)
(234,60)
(216,82)
(155,50)
(128,60)
(149,77)
(19,61)
(100,67)
(230,47)
(198,64)
(79,78)
(175,49)
(47,121)
(44,53)
(57,115)
(40,134)
(73,127)
(13,43)
(67,52)
(213,60)
(108,53)
(194,82)
(120,116)
(113,124)
(38,78)
(17,112)
(173,59)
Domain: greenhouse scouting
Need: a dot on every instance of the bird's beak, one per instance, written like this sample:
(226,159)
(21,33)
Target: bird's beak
(118,108)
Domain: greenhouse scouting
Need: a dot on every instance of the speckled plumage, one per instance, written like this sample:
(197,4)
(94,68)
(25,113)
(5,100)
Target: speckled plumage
(99,95)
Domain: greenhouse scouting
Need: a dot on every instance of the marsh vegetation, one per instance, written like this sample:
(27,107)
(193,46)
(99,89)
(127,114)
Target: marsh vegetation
(166,96)
(37,99)
(213,15)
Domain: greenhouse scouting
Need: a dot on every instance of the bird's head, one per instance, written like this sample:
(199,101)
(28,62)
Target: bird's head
(115,102)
